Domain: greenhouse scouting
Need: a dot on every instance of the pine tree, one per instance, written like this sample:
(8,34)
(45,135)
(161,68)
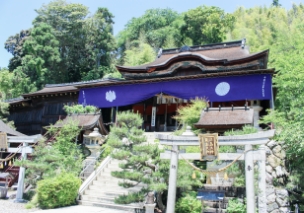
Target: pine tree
(141,163)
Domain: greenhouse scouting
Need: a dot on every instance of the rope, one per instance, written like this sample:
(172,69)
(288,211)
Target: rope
(10,157)
(216,171)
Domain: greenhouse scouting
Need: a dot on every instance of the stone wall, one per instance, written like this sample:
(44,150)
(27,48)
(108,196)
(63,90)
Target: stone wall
(276,177)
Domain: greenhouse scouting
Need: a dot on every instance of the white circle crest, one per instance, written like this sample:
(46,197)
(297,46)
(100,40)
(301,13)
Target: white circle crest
(222,89)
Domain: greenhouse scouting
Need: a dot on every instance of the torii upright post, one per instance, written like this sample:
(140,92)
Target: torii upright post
(20,189)
(172,180)
(249,174)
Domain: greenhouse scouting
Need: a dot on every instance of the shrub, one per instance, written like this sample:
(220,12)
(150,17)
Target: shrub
(190,114)
(189,203)
(59,191)
(236,206)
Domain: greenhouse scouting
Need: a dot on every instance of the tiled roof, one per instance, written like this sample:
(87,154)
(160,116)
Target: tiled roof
(225,117)
(226,51)
(49,90)
(9,130)
(85,121)
(68,87)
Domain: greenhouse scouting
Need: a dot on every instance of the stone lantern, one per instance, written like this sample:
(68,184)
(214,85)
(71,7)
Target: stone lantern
(92,142)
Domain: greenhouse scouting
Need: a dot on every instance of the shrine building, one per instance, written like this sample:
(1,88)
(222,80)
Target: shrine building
(226,74)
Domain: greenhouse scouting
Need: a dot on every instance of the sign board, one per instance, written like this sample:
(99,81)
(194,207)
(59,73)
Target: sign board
(209,146)
(153,116)
(3,141)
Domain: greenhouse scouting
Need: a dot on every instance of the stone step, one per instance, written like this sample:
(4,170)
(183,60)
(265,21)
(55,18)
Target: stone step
(214,210)
(109,182)
(92,198)
(113,190)
(126,208)
(106,193)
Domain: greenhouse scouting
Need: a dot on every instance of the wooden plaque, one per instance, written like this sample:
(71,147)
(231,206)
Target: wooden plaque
(3,141)
(209,146)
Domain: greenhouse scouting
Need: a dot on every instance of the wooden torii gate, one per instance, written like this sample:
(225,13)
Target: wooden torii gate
(188,138)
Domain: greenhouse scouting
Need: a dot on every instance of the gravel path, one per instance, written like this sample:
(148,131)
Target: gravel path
(8,206)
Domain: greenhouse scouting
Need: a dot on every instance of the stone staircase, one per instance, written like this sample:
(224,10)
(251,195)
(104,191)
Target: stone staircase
(104,188)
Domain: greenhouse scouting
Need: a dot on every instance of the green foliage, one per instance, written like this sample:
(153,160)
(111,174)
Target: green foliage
(131,198)
(237,169)
(65,45)
(205,25)
(14,45)
(33,202)
(58,191)
(50,160)
(139,55)
(190,114)
(276,3)
(78,109)
(155,28)
(247,129)
(85,42)
(142,162)
(13,84)
(189,203)
(41,57)
(236,206)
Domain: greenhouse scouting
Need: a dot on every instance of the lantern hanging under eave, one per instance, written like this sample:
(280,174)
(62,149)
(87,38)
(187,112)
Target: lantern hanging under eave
(209,146)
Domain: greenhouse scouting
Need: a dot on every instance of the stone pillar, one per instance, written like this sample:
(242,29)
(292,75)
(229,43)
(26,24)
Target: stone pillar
(262,181)
(256,116)
(249,173)
(20,189)
(150,207)
(172,180)
(149,204)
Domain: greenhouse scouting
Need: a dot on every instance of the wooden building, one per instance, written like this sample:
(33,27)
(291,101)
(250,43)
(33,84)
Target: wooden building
(225,74)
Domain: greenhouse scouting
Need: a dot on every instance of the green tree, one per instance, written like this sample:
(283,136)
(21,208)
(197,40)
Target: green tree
(139,55)
(155,28)
(141,162)
(205,25)
(41,58)
(13,84)
(85,43)
(190,114)
(276,3)
(14,46)
(51,159)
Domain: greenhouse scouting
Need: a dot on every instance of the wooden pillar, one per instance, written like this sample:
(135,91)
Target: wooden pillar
(114,112)
(153,114)
(165,124)
(144,115)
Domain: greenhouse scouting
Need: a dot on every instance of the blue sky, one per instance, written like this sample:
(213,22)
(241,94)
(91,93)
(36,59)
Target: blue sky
(16,15)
